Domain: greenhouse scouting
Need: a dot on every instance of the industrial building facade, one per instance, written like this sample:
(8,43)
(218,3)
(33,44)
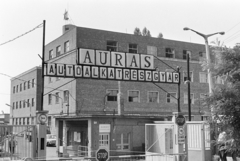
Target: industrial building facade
(88,112)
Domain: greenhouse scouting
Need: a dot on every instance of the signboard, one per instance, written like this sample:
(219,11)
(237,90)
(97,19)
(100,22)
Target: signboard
(98,64)
(102,155)
(180,120)
(104,128)
(181,135)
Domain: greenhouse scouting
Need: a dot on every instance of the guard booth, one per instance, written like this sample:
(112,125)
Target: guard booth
(177,140)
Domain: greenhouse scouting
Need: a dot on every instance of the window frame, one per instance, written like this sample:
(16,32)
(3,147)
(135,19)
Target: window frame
(109,47)
(132,49)
(29,84)
(101,140)
(170,98)
(185,54)
(57,96)
(138,101)
(66,46)
(200,77)
(169,53)
(122,144)
(148,96)
(49,99)
(66,99)
(110,93)
(33,83)
(185,98)
(51,54)
(191,76)
(58,53)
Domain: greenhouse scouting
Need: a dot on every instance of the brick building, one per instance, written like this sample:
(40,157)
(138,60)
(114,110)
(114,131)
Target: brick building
(25,97)
(88,112)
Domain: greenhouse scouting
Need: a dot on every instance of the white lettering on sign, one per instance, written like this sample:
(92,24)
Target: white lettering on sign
(180,120)
(102,155)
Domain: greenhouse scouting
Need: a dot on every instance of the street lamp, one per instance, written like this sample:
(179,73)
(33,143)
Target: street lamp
(207,53)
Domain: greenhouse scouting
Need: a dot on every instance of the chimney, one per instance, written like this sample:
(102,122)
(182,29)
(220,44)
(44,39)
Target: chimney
(67,28)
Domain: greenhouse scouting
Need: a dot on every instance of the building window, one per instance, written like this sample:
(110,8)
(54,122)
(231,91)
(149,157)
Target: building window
(16,105)
(186,98)
(112,95)
(170,53)
(111,46)
(20,121)
(13,105)
(33,102)
(58,51)
(66,46)
(13,89)
(57,97)
(123,141)
(133,96)
(49,121)
(27,121)
(171,97)
(152,50)
(133,48)
(23,121)
(185,52)
(24,102)
(33,83)
(153,97)
(28,103)
(17,89)
(218,80)
(24,86)
(202,56)
(66,96)
(49,99)
(203,77)
(103,140)
(185,76)
(20,87)
(20,104)
(29,84)
(50,54)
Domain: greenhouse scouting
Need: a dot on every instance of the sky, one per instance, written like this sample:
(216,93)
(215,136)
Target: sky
(168,17)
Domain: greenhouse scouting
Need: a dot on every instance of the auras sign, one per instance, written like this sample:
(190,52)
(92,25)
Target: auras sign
(97,64)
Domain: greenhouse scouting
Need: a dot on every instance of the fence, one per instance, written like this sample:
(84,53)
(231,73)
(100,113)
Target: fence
(17,141)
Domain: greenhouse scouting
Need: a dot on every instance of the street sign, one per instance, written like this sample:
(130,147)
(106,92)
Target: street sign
(102,155)
(181,135)
(180,120)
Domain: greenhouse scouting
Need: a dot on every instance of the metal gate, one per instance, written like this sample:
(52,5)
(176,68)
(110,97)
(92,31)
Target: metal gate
(18,141)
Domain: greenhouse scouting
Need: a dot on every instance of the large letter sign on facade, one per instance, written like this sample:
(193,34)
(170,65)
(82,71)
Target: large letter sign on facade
(98,64)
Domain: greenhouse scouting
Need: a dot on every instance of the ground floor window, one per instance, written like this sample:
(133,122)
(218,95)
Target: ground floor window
(123,141)
(104,140)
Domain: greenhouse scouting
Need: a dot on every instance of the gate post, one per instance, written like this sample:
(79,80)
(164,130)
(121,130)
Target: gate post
(41,134)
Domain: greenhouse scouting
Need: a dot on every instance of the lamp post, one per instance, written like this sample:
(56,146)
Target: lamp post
(207,53)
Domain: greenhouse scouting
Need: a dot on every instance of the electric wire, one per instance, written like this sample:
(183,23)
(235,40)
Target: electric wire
(22,34)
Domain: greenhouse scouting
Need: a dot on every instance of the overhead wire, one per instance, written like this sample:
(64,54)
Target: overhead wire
(38,26)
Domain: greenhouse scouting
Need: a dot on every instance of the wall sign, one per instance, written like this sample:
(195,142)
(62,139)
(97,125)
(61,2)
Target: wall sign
(97,64)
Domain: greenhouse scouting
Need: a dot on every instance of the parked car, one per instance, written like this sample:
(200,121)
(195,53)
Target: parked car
(51,140)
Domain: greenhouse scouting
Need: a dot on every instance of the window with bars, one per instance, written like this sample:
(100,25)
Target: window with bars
(185,76)
(152,50)
(112,94)
(171,97)
(170,53)
(104,140)
(111,46)
(133,48)
(123,141)
(185,52)
(185,97)
(66,96)
(66,46)
(153,97)
(58,50)
(133,96)
(203,76)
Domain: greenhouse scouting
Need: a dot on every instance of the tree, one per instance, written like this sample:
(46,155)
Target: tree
(146,32)
(224,101)
(137,31)
(160,35)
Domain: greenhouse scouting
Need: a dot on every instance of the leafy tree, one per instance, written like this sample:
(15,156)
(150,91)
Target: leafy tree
(160,35)
(224,102)
(137,31)
(146,32)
